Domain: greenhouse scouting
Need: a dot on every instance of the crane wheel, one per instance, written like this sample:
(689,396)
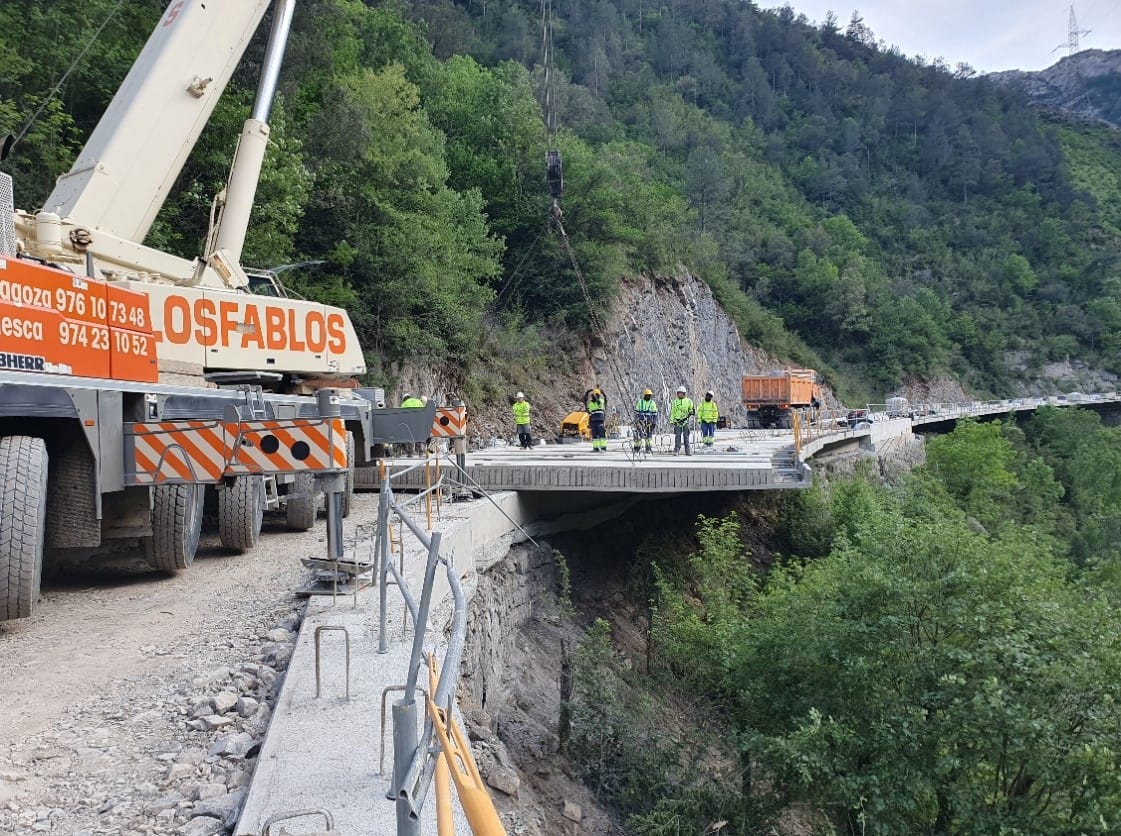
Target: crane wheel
(241,510)
(176,526)
(301,506)
(348,493)
(23,512)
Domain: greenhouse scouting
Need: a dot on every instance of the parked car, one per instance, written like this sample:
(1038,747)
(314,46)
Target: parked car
(856,418)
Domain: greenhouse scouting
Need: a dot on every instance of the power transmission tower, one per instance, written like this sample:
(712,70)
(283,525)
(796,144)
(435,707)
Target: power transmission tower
(1073,34)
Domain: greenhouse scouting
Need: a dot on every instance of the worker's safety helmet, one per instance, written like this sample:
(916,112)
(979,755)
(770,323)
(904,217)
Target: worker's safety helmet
(406,396)
(596,392)
(520,395)
(709,395)
(681,390)
(647,393)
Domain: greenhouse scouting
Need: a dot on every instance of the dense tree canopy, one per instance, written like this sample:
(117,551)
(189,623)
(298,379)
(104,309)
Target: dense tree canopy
(940,658)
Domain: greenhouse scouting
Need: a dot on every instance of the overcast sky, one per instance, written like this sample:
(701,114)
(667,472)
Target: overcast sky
(988,34)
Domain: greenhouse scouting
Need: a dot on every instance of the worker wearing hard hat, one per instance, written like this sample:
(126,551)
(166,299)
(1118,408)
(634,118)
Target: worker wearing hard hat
(595,402)
(680,413)
(410,401)
(708,414)
(521,421)
(645,419)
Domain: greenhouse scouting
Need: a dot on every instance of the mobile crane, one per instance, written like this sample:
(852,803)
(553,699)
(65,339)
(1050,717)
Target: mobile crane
(205,320)
(111,426)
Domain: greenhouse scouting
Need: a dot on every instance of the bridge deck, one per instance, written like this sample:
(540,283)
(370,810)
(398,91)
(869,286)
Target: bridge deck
(740,460)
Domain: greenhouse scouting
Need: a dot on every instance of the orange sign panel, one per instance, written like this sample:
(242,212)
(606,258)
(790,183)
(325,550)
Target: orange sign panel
(35,285)
(39,340)
(207,451)
(132,356)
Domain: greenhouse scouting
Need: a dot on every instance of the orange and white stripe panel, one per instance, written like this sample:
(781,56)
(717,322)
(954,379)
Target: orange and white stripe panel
(286,446)
(449,422)
(207,451)
(179,451)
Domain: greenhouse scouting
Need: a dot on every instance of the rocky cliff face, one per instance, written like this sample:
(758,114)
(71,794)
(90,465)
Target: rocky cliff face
(1086,85)
(669,332)
(662,332)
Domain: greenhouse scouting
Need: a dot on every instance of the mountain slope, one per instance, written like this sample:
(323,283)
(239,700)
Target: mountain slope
(1086,85)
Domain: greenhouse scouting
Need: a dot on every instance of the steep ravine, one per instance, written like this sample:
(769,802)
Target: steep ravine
(510,697)
(521,626)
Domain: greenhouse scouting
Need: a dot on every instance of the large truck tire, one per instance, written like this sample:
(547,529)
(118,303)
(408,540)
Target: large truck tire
(241,510)
(23,523)
(348,492)
(302,503)
(176,526)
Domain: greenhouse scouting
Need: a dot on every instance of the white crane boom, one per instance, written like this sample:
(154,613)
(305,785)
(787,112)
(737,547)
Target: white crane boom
(123,175)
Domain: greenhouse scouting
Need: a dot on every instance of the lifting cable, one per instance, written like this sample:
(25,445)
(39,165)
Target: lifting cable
(555,178)
(11,141)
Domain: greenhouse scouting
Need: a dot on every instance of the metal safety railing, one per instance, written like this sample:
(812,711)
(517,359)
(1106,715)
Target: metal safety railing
(416,756)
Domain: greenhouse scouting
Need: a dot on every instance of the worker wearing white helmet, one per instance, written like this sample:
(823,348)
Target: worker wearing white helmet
(708,414)
(521,421)
(680,413)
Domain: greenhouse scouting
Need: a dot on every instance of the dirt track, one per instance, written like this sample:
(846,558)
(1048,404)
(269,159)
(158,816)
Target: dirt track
(98,688)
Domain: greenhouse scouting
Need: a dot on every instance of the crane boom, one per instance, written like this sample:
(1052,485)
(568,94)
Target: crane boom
(206,316)
(123,175)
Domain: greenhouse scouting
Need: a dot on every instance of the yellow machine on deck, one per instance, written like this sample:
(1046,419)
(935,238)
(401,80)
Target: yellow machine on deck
(575,427)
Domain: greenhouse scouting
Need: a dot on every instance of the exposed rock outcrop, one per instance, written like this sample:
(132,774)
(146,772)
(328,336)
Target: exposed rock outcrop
(1086,85)
(662,332)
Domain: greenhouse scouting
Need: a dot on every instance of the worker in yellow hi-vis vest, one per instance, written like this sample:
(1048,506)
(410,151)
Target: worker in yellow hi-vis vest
(708,414)
(521,421)
(681,414)
(595,402)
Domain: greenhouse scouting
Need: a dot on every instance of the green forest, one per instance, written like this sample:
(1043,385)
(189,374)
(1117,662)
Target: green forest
(938,657)
(942,656)
(876,217)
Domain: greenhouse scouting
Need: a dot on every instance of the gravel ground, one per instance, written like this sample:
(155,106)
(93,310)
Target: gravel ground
(134,703)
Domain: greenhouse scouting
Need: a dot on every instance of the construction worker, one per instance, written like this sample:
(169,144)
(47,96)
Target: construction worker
(645,419)
(521,421)
(410,402)
(596,404)
(708,414)
(681,410)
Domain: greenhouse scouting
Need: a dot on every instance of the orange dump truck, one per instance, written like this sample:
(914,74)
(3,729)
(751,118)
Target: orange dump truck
(769,398)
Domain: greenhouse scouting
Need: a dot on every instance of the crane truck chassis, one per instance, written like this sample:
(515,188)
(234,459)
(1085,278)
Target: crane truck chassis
(90,461)
(95,450)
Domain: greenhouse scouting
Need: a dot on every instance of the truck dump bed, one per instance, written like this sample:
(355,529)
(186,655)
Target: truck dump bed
(794,387)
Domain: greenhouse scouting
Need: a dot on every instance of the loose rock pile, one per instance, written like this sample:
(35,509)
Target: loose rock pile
(176,759)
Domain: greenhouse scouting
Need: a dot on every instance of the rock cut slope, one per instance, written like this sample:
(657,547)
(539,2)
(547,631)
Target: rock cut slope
(1086,85)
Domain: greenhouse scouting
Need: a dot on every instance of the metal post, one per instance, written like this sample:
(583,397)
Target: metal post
(459,447)
(381,558)
(333,485)
(422,615)
(428,488)
(404,748)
